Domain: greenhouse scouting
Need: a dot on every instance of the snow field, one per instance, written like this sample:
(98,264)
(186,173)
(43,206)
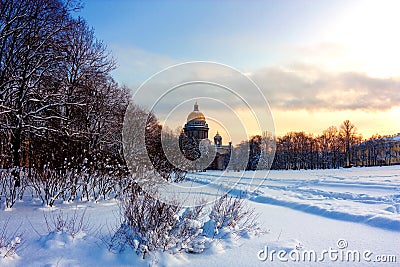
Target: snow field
(299,210)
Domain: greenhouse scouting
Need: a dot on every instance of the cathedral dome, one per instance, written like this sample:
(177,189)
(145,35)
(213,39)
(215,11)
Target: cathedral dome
(196,114)
(196,126)
(217,136)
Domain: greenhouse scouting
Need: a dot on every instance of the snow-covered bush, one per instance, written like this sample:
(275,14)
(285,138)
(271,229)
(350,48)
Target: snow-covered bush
(9,243)
(149,224)
(12,186)
(60,222)
(231,213)
(50,184)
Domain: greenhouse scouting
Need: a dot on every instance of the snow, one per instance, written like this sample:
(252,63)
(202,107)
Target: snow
(393,138)
(299,210)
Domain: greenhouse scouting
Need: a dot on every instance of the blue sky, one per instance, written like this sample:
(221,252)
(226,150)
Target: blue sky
(317,62)
(247,35)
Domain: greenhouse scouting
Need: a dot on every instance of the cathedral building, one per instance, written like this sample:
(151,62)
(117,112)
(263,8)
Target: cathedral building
(196,126)
(195,130)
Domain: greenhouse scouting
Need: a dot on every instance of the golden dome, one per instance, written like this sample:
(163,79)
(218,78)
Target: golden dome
(196,114)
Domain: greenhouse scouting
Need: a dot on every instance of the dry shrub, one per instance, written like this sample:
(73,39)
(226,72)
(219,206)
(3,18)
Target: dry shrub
(60,222)
(148,224)
(9,243)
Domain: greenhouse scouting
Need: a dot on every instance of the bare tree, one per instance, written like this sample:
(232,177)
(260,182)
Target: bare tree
(30,33)
(348,131)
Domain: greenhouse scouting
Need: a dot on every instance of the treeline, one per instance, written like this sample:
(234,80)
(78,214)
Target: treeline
(331,149)
(61,112)
(334,148)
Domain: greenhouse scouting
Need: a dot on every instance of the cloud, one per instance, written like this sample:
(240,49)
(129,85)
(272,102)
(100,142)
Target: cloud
(286,87)
(311,88)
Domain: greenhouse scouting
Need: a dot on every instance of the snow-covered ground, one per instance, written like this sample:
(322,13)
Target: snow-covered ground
(341,211)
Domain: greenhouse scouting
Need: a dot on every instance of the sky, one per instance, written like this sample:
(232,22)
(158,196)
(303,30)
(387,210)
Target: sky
(317,63)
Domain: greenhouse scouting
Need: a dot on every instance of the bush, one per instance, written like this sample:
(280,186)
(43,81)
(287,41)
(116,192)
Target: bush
(9,243)
(232,214)
(148,224)
(12,186)
(61,222)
